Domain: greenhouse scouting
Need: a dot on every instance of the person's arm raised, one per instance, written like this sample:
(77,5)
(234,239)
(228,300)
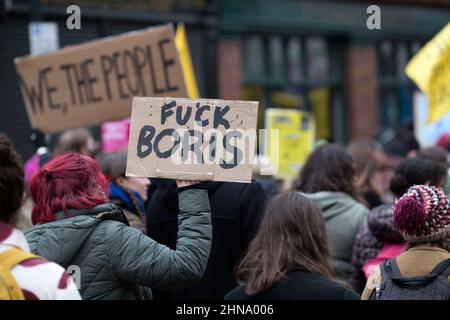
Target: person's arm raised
(139,259)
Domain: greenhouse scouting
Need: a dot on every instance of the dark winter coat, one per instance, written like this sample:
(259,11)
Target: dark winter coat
(235,210)
(299,285)
(114,258)
(374,233)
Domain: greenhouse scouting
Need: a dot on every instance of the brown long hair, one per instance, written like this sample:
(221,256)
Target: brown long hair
(291,235)
(11,180)
(367,162)
(328,168)
(74,140)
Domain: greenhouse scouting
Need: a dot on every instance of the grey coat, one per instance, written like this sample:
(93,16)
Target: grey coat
(119,262)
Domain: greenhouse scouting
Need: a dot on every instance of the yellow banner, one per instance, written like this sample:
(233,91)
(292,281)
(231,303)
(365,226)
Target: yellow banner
(186,62)
(290,148)
(430,70)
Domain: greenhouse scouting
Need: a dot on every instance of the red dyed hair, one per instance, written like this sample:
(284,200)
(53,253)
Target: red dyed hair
(69,181)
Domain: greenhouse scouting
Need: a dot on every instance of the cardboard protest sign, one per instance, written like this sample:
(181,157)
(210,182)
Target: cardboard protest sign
(289,149)
(430,70)
(87,84)
(194,139)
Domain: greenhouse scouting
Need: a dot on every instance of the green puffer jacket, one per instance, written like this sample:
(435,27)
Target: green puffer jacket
(343,217)
(119,262)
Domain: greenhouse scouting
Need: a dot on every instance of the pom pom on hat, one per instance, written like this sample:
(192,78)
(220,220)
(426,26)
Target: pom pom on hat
(409,214)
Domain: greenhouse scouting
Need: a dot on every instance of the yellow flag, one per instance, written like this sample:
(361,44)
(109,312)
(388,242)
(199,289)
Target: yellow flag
(186,62)
(430,70)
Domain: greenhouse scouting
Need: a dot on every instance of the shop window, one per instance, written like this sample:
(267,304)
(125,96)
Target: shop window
(285,71)
(396,89)
(318,59)
(254,64)
(276,58)
(294,56)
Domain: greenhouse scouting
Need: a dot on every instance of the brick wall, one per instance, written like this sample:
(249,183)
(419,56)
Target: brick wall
(362,91)
(229,69)
(362,107)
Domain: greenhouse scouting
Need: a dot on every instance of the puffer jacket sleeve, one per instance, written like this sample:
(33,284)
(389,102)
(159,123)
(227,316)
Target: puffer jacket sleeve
(136,258)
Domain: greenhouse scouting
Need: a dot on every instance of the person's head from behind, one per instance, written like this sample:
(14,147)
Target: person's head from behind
(11,180)
(69,181)
(444,142)
(417,170)
(291,235)
(114,166)
(328,168)
(40,139)
(398,143)
(78,140)
(366,165)
(435,153)
(422,215)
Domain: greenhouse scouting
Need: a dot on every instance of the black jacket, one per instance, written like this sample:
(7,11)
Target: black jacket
(299,285)
(235,210)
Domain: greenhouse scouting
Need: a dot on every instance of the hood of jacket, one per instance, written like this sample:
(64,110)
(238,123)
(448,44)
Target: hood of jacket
(333,203)
(60,240)
(381,224)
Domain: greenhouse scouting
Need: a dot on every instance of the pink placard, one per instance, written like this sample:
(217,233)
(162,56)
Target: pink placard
(115,135)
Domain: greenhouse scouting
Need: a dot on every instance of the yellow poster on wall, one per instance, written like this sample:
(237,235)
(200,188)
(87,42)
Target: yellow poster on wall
(289,149)
(430,70)
(319,99)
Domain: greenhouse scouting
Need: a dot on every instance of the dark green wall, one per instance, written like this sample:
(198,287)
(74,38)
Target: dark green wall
(330,17)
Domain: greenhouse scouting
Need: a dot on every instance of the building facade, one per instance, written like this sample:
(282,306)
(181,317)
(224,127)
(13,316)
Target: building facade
(321,56)
(312,55)
(98,19)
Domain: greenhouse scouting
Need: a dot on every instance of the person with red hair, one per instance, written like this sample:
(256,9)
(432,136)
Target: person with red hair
(71,181)
(76,226)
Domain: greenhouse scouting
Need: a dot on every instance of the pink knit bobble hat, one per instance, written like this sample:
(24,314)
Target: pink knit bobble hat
(422,214)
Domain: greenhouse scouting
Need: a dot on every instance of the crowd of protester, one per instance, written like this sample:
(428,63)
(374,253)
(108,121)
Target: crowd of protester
(366,221)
